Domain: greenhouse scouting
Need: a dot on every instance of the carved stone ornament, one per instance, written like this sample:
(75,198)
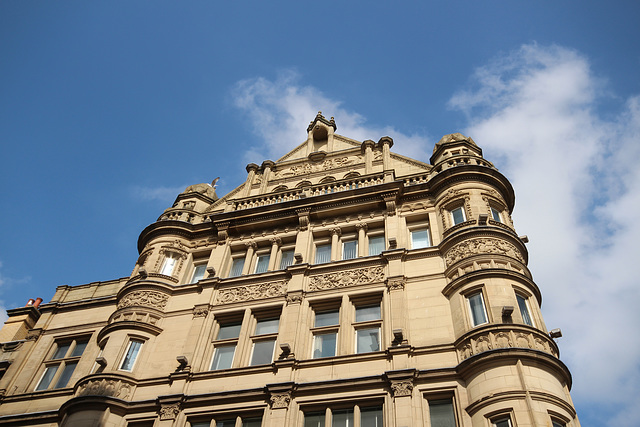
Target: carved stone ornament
(341,279)
(169,412)
(200,311)
(280,400)
(294,298)
(106,387)
(252,292)
(401,388)
(33,334)
(396,283)
(327,164)
(151,299)
(481,246)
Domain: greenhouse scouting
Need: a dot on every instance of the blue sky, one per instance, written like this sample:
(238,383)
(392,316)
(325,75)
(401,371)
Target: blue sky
(109,109)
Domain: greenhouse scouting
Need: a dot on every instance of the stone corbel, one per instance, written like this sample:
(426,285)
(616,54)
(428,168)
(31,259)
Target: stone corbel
(280,394)
(169,406)
(303,218)
(396,283)
(390,202)
(294,297)
(401,382)
(201,310)
(223,232)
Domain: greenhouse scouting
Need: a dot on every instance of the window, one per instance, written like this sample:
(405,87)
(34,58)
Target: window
(367,327)
(287,259)
(62,364)
(370,416)
(457,215)
(262,263)
(420,238)
(325,333)
(495,214)
(350,249)
(557,423)
(264,340)
(323,253)
(524,309)
(503,421)
(198,272)
(477,309)
(225,345)
(169,264)
(376,245)
(229,421)
(441,413)
(131,355)
(237,265)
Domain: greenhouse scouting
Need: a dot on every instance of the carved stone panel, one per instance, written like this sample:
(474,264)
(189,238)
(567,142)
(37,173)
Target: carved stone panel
(487,245)
(252,292)
(169,412)
(340,279)
(106,387)
(402,388)
(151,299)
(280,400)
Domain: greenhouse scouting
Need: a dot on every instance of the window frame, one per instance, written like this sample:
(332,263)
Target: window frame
(376,235)
(359,326)
(321,244)
(169,256)
(261,255)
(441,397)
(232,267)
(452,214)
(348,240)
(221,322)
(468,296)
(522,299)
(281,260)
(496,212)
(325,329)
(326,412)
(61,363)
(258,338)
(417,228)
(123,359)
(196,266)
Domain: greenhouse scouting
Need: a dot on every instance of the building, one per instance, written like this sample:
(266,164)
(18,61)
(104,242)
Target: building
(342,285)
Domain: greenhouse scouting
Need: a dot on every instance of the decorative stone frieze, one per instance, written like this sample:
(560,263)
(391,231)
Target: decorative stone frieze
(169,412)
(138,315)
(113,387)
(486,245)
(151,299)
(252,292)
(496,337)
(341,279)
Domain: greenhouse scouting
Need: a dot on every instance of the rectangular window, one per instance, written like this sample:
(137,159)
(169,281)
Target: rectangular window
(230,421)
(350,249)
(345,417)
(198,272)
(131,355)
(62,364)
(495,214)
(367,340)
(264,341)
(287,259)
(314,419)
(420,238)
(325,333)
(458,215)
(168,264)
(501,422)
(366,313)
(376,245)
(223,357)
(342,418)
(441,413)
(367,334)
(478,311)
(371,417)
(225,345)
(262,263)
(524,310)
(323,253)
(557,423)
(237,265)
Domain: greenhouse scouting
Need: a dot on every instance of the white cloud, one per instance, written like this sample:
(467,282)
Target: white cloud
(279,109)
(578,190)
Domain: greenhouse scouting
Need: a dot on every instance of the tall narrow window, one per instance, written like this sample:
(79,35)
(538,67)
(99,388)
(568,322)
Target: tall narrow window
(237,264)
(342,418)
(262,263)
(495,214)
(314,419)
(367,333)
(476,306)
(131,355)
(225,346)
(371,417)
(323,253)
(169,264)
(325,333)
(345,417)
(62,364)
(376,245)
(441,413)
(350,249)
(524,310)
(457,215)
(264,341)
(287,259)
(504,421)
(420,238)
(198,272)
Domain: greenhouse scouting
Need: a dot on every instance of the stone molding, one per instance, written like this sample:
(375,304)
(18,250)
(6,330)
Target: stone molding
(112,386)
(252,292)
(479,246)
(504,336)
(341,279)
(153,299)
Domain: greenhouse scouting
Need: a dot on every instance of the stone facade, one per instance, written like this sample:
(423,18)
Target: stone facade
(341,282)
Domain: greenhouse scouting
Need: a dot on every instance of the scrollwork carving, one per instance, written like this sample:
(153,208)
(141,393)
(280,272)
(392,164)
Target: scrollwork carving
(280,400)
(481,246)
(252,292)
(346,278)
(402,388)
(169,412)
(151,299)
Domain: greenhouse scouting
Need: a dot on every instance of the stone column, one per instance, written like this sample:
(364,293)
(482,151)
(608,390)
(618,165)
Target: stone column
(251,248)
(335,249)
(386,143)
(267,167)
(251,173)
(401,384)
(362,230)
(275,244)
(367,150)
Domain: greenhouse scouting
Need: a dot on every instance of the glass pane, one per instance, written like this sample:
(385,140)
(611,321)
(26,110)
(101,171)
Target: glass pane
(327,318)
(252,422)
(555,423)
(229,330)
(61,351)
(502,422)
(324,345)
(198,272)
(367,340)
(420,239)
(287,259)
(376,245)
(236,267)
(66,374)
(458,216)
(267,326)
(262,264)
(323,254)
(342,418)
(79,348)
(371,417)
(223,357)
(524,310)
(231,422)
(441,413)
(202,424)
(262,352)
(371,312)
(132,354)
(314,419)
(167,266)
(495,214)
(350,249)
(477,309)
(47,377)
